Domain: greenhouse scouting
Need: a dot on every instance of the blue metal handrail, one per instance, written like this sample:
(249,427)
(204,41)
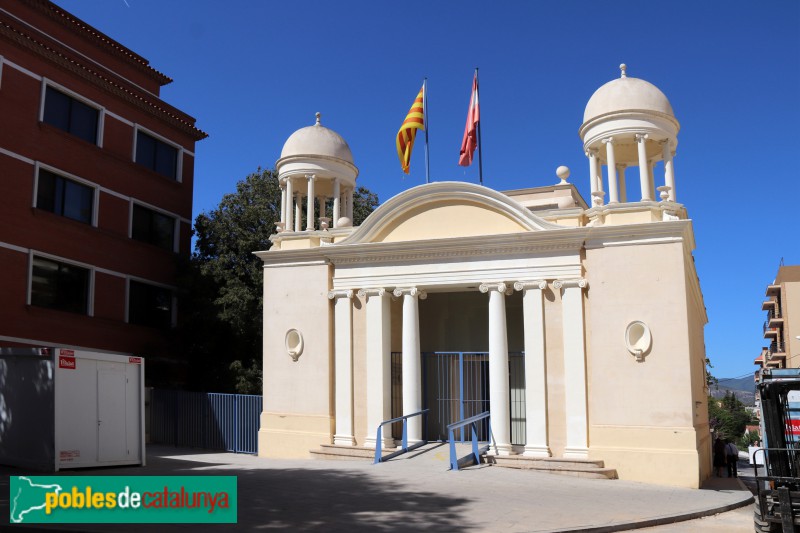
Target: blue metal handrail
(473,423)
(405,447)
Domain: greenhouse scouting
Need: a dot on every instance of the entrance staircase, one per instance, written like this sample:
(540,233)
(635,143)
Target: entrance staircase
(584,468)
(566,467)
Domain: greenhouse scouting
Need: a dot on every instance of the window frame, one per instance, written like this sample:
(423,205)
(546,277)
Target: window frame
(38,167)
(101,111)
(175,225)
(57,259)
(178,156)
(173,319)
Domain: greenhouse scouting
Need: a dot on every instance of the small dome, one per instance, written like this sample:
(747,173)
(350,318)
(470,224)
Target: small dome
(317,140)
(626,94)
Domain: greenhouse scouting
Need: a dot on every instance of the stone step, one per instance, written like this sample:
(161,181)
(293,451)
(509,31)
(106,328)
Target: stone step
(343,453)
(566,467)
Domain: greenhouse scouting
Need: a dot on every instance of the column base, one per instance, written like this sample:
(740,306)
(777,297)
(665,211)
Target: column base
(537,451)
(344,440)
(576,453)
(388,443)
(501,449)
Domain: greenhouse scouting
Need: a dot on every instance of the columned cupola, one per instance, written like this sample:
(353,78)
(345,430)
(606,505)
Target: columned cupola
(629,122)
(315,166)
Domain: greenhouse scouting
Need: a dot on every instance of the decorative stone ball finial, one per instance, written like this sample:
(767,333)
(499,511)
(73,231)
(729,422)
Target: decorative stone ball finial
(319,116)
(622,68)
(563,173)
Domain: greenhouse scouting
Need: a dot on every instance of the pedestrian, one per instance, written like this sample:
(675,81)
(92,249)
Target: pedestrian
(732,457)
(719,456)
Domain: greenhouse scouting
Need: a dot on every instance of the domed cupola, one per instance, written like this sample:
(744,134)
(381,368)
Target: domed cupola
(316,164)
(629,122)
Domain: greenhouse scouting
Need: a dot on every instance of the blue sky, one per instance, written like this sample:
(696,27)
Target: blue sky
(254,72)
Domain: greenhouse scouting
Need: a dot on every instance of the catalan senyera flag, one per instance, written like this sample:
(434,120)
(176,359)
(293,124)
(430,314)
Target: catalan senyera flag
(470,140)
(415,120)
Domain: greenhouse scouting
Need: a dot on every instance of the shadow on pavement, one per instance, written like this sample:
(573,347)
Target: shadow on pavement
(283,499)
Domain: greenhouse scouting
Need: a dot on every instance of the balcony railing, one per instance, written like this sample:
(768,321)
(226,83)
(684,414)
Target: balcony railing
(776,348)
(774,313)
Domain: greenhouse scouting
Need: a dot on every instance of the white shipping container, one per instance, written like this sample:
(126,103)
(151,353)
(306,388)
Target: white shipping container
(63,408)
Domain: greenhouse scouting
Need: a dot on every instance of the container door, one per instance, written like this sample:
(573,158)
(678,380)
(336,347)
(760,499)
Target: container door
(111,411)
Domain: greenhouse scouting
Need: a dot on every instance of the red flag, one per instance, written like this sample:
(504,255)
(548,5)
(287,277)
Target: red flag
(470,140)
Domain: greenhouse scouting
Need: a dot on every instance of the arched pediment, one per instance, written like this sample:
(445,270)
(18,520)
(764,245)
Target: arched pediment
(446,210)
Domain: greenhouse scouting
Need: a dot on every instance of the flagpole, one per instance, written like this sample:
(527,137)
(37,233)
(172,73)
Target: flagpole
(425,115)
(480,158)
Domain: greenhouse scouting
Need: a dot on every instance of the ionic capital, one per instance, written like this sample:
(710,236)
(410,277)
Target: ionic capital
(371,292)
(311,177)
(641,137)
(580,283)
(608,140)
(410,291)
(591,153)
(525,285)
(500,287)
(340,293)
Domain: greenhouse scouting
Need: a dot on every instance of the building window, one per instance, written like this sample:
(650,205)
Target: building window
(70,115)
(156,155)
(64,197)
(149,305)
(58,285)
(153,227)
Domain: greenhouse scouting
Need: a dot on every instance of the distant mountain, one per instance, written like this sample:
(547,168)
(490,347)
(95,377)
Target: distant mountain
(744,389)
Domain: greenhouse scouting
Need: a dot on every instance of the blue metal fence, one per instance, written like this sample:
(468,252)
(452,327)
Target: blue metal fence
(212,421)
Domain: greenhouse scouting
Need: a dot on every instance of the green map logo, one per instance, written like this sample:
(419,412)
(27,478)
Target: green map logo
(123,499)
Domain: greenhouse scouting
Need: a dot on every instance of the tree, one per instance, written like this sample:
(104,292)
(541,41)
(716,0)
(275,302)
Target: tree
(224,280)
(728,417)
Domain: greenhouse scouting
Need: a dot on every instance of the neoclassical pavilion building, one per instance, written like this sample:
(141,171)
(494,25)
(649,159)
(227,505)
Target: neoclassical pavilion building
(579,327)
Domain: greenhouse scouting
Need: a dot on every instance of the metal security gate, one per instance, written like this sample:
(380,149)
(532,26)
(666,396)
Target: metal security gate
(455,386)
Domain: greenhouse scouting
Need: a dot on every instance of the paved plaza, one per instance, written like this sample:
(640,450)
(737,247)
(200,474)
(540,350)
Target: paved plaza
(416,492)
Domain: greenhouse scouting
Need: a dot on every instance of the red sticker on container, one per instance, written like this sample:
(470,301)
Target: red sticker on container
(66,362)
(67,353)
(135,360)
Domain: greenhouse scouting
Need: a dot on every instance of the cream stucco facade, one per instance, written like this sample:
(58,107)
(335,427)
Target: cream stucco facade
(584,323)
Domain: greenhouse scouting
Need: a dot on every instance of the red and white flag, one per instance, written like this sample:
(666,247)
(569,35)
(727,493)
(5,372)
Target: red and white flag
(470,140)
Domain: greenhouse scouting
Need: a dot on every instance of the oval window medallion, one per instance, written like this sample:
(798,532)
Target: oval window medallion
(638,339)
(294,344)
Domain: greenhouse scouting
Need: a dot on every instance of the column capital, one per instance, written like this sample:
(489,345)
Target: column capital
(591,152)
(311,177)
(621,166)
(501,287)
(570,283)
(525,285)
(410,291)
(371,292)
(641,137)
(340,293)
(608,140)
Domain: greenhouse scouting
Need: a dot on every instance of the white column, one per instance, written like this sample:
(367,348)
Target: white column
(499,398)
(322,207)
(577,445)
(349,200)
(310,207)
(298,212)
(623,195)
(613,195)
(591,153)
(379,365)
(669,170)
(644,168)
(651,172)
(283,203)
(536,438)
(289,205)
(412,365)
(336,195)
(343,366)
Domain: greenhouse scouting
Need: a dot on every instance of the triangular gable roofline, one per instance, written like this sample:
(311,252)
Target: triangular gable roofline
(443,191)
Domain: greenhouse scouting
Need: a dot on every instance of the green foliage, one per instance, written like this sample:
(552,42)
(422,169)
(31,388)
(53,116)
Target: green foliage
(728,417)
(222,288)
(710,379)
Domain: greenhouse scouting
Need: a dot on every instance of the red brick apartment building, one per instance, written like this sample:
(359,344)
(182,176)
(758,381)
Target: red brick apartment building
(96,177)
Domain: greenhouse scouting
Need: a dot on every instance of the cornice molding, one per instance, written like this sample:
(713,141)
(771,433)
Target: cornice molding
(75,65)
